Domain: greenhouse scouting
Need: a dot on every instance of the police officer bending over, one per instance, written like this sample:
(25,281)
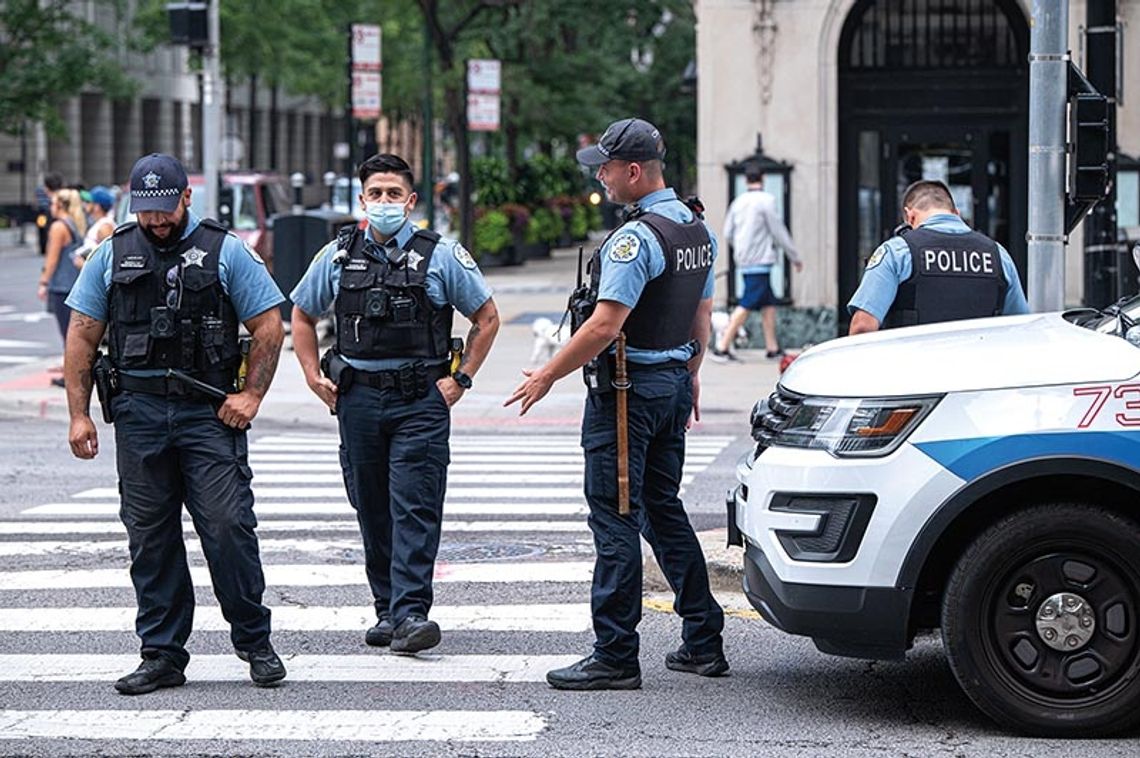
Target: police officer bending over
(652,279)
(393,289)
(938,270)
(172,290)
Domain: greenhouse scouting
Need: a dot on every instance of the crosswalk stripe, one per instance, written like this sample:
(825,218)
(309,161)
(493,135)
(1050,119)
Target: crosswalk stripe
(116,527)
(498,442)
(312,725)
(14,359)
(306,493)
(452,479)
(485,438)
(457,458)
(308,575)
(570,617)
(20,344)
(340,507)
(67,667)
(453,470)
(513,451)
(11,549)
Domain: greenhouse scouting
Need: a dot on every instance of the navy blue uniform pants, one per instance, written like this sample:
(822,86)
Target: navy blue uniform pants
(659,405)
(394,455)
(175,450)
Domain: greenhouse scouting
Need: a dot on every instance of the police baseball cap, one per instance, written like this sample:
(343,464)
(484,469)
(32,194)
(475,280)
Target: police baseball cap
(631,139)
(157,183)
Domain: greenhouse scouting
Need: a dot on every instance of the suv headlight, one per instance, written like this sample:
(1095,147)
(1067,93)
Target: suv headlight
(848,427)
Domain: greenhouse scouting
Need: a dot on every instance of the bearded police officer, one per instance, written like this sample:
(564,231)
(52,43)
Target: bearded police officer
(651,281)
(172,290)
(938,270)
(393,289)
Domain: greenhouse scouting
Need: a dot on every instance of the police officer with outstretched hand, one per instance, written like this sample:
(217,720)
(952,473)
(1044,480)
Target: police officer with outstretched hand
(394,289)
(938,269)
(651,286)
(172,290)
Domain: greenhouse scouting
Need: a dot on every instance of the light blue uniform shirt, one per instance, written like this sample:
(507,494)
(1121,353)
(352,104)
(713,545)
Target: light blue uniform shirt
(890,266)
(632,256)
(453,279)
(244,278)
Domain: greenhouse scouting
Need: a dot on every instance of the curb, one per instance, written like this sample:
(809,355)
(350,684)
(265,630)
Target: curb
(725,564)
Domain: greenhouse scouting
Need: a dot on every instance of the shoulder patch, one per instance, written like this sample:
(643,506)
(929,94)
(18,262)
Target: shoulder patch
(464,257)
(625,248)
(877,257)
(253,253)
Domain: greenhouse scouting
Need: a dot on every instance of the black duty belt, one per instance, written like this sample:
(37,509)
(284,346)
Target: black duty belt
(398,378)
(636,367)
(170,387)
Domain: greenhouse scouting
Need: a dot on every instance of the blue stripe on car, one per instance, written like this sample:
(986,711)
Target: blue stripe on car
(971,458)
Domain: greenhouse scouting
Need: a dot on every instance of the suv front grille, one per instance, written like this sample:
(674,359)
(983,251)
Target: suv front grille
(782,405)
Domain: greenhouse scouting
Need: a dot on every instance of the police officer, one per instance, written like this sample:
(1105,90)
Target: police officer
(393,289)
(937,270)
(653,279)
(172,290)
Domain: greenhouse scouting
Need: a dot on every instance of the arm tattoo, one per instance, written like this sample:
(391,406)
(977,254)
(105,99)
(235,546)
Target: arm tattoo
(263,357)
(472,334)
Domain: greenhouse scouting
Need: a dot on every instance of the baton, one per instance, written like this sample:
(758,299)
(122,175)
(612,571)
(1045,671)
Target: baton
(206,389)
(621,386)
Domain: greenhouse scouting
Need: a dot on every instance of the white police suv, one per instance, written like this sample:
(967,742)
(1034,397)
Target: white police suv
(978,476)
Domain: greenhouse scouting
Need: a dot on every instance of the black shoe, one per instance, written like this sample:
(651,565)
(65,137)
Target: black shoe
(593,674)
(772,354)
(705,664)
(415,633)
(265,668)
(57,381)
(379,635)
(151,674)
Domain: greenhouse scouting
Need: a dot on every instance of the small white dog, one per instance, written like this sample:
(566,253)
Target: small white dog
(720,323)
(548,338)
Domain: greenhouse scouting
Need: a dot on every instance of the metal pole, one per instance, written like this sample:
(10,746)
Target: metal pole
(429,133)
(1048,94)
(1102,261)
(211,108)
(349,126)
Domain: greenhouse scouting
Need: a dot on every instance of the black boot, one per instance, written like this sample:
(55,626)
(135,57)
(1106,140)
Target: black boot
(593,674)
(151,674)
(265,668)
(415,633)
(705,664)
(379,635)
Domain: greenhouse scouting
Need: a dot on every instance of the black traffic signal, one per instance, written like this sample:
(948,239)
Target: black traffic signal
(1088,148)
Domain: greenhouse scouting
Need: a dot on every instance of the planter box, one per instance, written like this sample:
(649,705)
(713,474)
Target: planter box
(534,250)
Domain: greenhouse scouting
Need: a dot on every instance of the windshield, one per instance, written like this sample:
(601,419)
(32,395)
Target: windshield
(1107,320)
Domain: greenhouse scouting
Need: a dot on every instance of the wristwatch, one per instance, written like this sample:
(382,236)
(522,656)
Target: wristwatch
(462,380)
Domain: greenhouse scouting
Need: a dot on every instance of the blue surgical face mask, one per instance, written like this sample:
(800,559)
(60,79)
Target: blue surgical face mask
(386,218)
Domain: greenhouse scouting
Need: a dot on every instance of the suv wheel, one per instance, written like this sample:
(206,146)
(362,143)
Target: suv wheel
(1039,620)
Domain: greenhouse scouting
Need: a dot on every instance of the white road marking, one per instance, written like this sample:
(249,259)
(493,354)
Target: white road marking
(309,575)
(570,617)
(260,470)
(318,725)
(452,479)
(18,359)
(116,527)
(475,461)
(333,508)
(20,344)
(305,493)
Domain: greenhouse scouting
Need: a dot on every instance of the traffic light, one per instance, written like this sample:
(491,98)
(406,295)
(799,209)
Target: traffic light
(188,23)
(1088,148)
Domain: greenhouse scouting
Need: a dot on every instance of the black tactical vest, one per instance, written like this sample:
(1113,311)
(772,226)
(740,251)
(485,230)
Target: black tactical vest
(167,306)
(663,316)
(382,306)
(953,276)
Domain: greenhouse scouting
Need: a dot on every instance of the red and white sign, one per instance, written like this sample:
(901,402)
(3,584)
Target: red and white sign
(483,112)
(365,47)
(484,75)
(366,94)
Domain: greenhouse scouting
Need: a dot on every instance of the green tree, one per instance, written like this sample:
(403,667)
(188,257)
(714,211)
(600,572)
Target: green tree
(48,54)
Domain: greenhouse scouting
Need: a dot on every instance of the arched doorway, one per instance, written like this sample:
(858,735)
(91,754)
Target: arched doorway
(931,89)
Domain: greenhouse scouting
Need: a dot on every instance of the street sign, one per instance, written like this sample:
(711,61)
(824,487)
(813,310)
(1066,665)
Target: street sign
(484,75)
(482,112)
(366,47)
(366,94)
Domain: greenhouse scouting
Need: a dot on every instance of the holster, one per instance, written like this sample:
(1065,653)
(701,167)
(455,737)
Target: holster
(105,378)
(598,374)
(337,370)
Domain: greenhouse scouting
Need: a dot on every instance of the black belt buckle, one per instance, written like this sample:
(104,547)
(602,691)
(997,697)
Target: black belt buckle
(406,381)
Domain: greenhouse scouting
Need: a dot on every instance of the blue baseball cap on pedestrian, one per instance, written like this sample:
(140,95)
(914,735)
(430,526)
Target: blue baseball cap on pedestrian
(630,139)
(157,183)
(102,197)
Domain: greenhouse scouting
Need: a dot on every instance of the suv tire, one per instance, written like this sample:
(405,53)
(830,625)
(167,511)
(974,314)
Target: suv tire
(1039,620)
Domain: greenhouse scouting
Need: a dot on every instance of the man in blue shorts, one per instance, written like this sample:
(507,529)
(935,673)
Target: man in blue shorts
(757,234)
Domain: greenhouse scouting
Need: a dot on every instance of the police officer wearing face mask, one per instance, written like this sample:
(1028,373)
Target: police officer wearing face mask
(393,289)
(652,279)
(937,270)
(172,289)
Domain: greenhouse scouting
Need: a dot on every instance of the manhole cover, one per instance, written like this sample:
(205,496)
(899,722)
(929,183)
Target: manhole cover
(474,553)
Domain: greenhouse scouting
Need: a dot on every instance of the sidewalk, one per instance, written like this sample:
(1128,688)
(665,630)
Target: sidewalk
(523,293)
